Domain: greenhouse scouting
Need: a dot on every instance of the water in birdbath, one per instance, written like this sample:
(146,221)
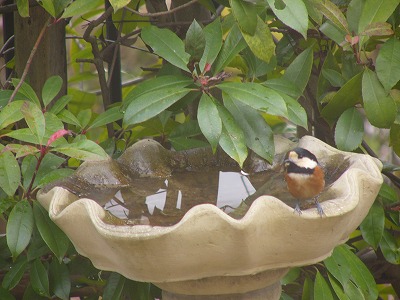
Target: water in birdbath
(163,198)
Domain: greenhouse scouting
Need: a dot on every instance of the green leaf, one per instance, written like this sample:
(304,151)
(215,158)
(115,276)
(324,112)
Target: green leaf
(79,8)
(109,116)
(353,14)
(338,289)
(308,289)
(284,86)
(10,174)
(27,91)
(379,107)
(213,37)
(183,143)
(152,103)
(376,11)
(84,116)
(234,43)
(395,138)
(11,113)
(390,248)
(195,41)
(321,288)
(256,96)
(332,32)
(346,97)
(232,139)
(209,120)
(261,42)
(166,44)
(114,287)
(387,65)
(258,135)
(60,104)
(54,175)
(296,113)
(6,295)
(35,119)
(51,88)
(39,278)
(349,130)
(294,14)
(60,281)
(83,150)
(334,77)
(19,227)
(69,118)
(117,4)
(245,14)
(14,275)
(352,274)
(313,11)
(156,84)
(373,225)
(324,85)
(334,14)
(54,237)
(23,8)
(299,70)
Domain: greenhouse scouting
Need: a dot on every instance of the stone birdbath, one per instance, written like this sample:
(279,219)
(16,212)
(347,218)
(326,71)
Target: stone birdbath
(202,248)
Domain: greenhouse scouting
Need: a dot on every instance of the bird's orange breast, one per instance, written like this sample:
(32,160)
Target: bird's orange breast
(305,186)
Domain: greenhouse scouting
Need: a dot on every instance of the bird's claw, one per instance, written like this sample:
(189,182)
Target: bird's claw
(319,208)
(297,209)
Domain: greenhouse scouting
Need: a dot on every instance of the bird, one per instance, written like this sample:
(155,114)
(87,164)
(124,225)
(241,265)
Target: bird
(304,177)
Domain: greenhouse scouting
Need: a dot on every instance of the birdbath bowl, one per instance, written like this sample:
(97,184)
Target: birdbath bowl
(208,252)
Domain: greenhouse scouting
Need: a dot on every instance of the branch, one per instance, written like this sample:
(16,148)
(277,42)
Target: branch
(29,61)
(162,13)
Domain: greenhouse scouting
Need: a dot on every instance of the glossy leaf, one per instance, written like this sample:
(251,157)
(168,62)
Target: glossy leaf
(334,14)
(150,104)
(245,14)
(352,274)
(313,11)
(51,88)
(39,278)
(299,70)
(379,107)
(213,37)
(11,113)
(284,86)
(376,11)
(54,175)
(387,65)
(6,295)
(19,227)
(390,248)
(184,143)
(353,14)
(79,7)
(117,4)
(378,29)
(15,273)
(114,287)
(349,130)
(395,138)
(321,288)
(109,116)
(60,281)
(156,84)
(334,77)
(373,225)
(296,113)
(232,139)
(68,117)
(346,97)
(27,91)
(256,96)
(209,120)
(294,14)
(35,119)
(261,42)
(60,104)
(308,289)
(54,237)
(195,41)
(337,288)
(23,8)
(84,117)
(166,44)
(234,43)
(10,174)
(259,136)
(83,150)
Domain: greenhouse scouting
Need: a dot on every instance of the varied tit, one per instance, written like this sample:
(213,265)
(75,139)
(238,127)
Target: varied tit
(304,177)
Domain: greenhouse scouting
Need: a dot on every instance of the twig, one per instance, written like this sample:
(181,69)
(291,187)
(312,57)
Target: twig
(162,13)
(29,61)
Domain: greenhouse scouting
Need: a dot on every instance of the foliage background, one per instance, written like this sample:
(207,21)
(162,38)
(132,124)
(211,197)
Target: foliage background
(229,74)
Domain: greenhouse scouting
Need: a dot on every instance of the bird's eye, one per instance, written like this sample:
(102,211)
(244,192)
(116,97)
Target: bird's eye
(300,156)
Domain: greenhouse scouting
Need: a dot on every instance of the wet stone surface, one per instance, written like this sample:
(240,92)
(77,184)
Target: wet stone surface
(149,185)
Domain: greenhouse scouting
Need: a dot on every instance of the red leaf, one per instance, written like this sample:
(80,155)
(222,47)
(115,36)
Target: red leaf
(56,135)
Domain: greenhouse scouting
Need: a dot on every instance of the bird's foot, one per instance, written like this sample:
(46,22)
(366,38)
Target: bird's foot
(319,208)
(297,209)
